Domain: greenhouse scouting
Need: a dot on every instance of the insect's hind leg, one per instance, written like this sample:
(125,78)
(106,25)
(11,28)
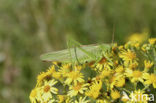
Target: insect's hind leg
(75,44)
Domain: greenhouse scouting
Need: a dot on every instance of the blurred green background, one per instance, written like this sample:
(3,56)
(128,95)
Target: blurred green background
(29,28)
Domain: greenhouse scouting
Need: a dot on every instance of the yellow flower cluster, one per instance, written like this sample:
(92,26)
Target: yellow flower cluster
(125,74)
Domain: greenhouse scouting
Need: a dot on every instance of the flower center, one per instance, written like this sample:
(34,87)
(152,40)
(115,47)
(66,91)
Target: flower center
(46,88)
(74,75)
(131,55)
(103,60)
(137,74)
(77,87)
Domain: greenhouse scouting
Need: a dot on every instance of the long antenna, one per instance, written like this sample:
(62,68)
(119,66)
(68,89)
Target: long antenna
(113,33)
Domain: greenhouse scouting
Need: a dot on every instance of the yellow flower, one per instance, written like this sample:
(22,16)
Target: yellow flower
(94,89)
(135,44)
(65,69)
(74,76)
(119,69)
(140,37)
(152,41)
(120,82)
(61,98)
(103,63)
(78,67)
(150,79)
(145,47)
(42,76)
(82,100)
(115,94)
(51,70)
(105,73)
(148,64)
(135,75)
(112,81)
(48,89)
(133,66)
(35,95)
(117,80)
(66,66)
(78,88)
(128,56)
(57,75)
(121,47)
